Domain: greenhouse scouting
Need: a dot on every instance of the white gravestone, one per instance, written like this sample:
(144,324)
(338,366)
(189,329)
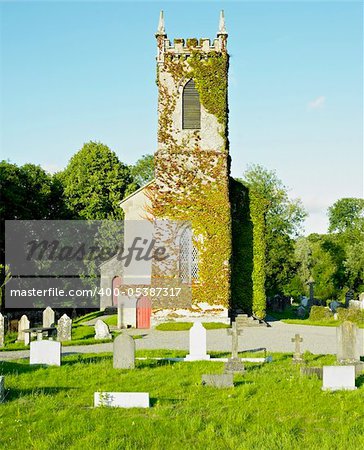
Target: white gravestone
(45,352)
(338,378)
(48,317)
(197,343)
(23,324)
(102,330)
(2,331)
(64,328)
(122,399)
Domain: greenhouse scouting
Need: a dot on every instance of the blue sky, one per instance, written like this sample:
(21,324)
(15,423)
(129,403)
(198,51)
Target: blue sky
(71,72)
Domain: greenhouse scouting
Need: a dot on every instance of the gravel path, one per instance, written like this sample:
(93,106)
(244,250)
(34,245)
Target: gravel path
(277,338)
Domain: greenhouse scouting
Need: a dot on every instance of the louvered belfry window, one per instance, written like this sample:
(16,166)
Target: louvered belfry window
(191,108)
(188,260)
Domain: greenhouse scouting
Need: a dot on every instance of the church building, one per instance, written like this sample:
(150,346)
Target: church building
(192,181)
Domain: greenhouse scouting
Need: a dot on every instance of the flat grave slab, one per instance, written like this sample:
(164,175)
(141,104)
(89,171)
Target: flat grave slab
(225,380)
(122,399)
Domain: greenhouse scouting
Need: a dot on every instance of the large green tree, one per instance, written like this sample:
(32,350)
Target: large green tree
(283,223)
(95,182)
(346,214)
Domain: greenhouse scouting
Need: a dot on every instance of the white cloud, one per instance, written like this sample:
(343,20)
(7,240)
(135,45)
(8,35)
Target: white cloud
(317,103)
(51,168)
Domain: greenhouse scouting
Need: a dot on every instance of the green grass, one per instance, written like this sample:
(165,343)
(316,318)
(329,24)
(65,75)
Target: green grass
(111,320)
(183,326)
(87,317)
(270,407)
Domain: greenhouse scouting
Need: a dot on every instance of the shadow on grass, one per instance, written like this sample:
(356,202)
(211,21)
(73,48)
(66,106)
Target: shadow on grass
(11,367)
(150,363)
(15,394)
(359,381)
(79,358)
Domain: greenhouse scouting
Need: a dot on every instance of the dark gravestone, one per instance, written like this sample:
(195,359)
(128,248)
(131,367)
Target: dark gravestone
(124,352)
(225,380)
(309,371)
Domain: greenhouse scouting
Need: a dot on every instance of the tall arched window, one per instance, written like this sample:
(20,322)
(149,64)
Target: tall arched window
(191,108)
(188,258)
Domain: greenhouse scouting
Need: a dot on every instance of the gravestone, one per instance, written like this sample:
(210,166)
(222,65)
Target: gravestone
(23,324)
(122,399)
(197,343)
(2,389)
(225,380)
(48,317)
(334,305)
(297,355)
(309,371)
(361,297)
(304,302)
(348,343)
(102,330)
(234,364)
(2,331)
(349,296)
(124,352)
(45,352)
(301,312)
(338,378)
(64,329)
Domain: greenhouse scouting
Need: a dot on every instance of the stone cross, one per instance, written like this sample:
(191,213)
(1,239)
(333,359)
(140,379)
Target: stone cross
(297,357)
(348,343)
(2,331)
(235,332)
(64,328)
(124,352)
(48,317)
(23,324)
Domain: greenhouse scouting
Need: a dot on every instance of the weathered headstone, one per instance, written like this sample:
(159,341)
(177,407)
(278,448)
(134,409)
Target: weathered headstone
(234,364)
(64,329)
(304,302)
(338,378)
(348,343)
(23,324)
(2,331)
(124,352)
(102,330)
(309,371)
(334,305)
(45,352)
(122,399)
(48,317)
(297,355)
(225,380)
(197,343)
(2,388)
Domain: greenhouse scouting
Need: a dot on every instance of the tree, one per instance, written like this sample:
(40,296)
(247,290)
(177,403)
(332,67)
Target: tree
(143,170)
(95,182)
(345,214)
(283,223)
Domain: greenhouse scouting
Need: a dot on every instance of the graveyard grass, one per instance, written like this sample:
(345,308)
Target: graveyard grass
(270,407)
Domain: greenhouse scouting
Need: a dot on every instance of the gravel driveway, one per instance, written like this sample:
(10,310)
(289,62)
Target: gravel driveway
(277,338)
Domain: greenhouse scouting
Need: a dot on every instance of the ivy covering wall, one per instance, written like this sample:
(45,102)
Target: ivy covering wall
(194,184)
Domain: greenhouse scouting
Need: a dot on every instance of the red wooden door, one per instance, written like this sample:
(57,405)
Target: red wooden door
(116,282)
(144,312)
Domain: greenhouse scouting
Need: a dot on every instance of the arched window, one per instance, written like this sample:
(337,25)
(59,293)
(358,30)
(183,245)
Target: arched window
(191,108)
(188,258)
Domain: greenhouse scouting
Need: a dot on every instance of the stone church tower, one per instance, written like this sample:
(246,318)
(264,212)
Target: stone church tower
(192,159)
